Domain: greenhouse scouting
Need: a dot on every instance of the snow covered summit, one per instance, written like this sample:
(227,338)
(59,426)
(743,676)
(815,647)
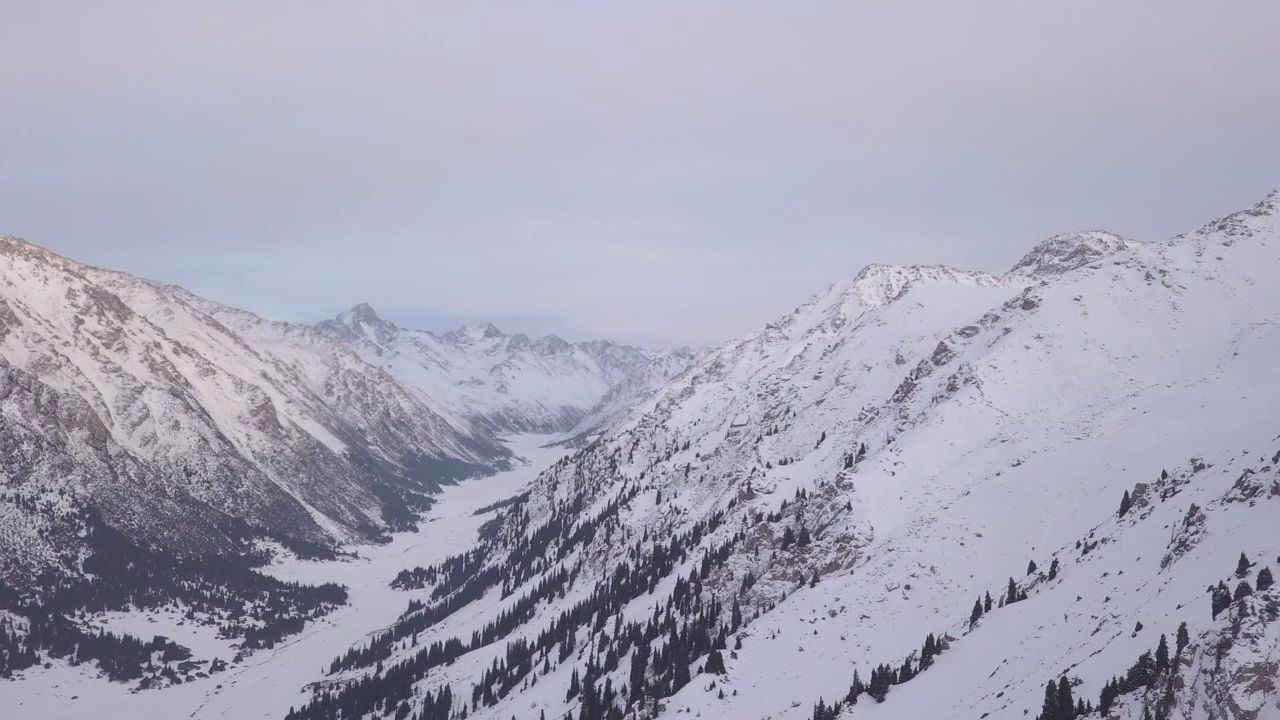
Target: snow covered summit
(477,373)
(1064,253)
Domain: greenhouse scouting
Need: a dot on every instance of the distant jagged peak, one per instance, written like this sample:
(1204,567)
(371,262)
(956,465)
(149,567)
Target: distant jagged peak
(485,330)
(472,333)
(551,345)
(486,333)
(363,312)
(600,347)
(1063,253)
(361,322)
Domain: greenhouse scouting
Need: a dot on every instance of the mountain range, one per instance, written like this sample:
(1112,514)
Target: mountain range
(508,383)
(194,426)
(1048,492)
(926,492)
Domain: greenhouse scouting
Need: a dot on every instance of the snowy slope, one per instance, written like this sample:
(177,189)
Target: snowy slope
(265,685)
(509,383)
(148,404)
(629,392)
(1003,418)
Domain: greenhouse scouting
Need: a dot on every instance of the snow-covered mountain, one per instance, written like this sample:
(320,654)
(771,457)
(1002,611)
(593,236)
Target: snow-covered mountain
(158,449)
(511,383)
(188,425)
(799,525)
(631,391)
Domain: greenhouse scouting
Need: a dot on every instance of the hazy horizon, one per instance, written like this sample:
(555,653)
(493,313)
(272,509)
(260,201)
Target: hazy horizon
(658,174)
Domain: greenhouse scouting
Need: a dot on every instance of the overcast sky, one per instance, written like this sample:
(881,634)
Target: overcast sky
(657,172)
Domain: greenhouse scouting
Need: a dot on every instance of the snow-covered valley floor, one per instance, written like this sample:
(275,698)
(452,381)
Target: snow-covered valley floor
(268,682)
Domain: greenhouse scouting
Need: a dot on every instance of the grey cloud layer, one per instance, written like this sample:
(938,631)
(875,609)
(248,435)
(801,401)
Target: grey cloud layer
(662,172)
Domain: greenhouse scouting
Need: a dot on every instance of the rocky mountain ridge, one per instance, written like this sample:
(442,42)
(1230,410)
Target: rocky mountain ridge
(510,383)
(188,424)
(798,526)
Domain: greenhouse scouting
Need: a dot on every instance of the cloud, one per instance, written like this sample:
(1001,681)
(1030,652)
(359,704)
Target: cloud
(660,172)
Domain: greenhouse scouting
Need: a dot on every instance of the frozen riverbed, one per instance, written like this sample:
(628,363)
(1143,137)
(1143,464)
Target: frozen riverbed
(269,682)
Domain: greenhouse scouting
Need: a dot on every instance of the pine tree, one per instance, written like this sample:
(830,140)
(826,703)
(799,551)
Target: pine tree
(856,688)
(906,672)
(715,663)
(977,613)
(574,686)
(986,603)
(1220,599)
(1031,567)
(1184,638)
(1066,705)
(1162,655)
(1264,579)
(1049,710)
(1053,569)
(1142,674)
(1012,596)
(1242,567)
(1125,503)
(1243,590)
(679,661)
(639,664)
(881,679)
(1108,696)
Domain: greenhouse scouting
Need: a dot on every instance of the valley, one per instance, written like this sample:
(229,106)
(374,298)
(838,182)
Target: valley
(924,492)
(640,361)
(268,682)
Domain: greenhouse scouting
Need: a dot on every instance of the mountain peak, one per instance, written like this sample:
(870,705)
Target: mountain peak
(473,332)
(1065,252)
(551,344)
(361,322)
(15,246)
(1243,223)
(877,283)
(362,312)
